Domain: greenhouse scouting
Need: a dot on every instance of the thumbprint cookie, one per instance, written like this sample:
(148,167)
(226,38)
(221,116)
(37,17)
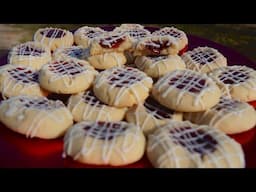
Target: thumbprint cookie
(85,106)
(35,116)
(54,37)
(238,82)
(19,80)
(156,45)
(85,35)
(179,35)
(122,87)
(32,54)
(66,77)
(186,145)
(204,59)
(157,66)
(186,91)
(104,143)
(229,115)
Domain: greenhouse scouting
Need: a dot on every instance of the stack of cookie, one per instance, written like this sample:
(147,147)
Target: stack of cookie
(119,113)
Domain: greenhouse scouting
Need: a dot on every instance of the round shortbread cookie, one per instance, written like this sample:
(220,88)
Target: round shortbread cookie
(66,77)
(85,35)
(75,53)
(238,82)
(186,145)
(85,106)
(104,143)
(186,91)
(107,60)
(35,116)
(111,42)
(204,59)
(122,87)
(179,35)
(54,37)
(151,114)
(157,66)
(156,45)
(230,116)
(31,54)
(19,80)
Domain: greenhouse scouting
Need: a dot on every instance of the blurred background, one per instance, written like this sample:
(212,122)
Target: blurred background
(241,37)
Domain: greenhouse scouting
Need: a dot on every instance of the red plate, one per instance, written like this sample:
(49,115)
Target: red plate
(16,151)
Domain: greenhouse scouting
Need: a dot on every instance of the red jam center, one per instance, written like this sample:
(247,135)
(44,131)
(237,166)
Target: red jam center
(91,99)
(157,110)
(157,46)
(65,68)
(27,50)
(203,57)
(123,78)
(105,130)
(195,84)
(194,140)
(111,42)
(41,104)
(233,77)
(53,33)
(24,75)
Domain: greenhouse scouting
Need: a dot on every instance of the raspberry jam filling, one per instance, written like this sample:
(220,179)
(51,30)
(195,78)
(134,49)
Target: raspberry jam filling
(105,130)
(91,99)
(24,75)
(41,104)
(196,84)
(157,46)
(233,77)
(194,140)
(65,68)
(226,104)
(157,110)
(27,50)
(112,42)
(204,57)
(53,33)
(123,78)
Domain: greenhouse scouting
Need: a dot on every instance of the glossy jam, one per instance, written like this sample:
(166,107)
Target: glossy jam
(196,88)
(24,75)
(26,51)
(105,130)
(158,110)
(233,77)
(194,140)
(53,33)
(157,46)
(111,42)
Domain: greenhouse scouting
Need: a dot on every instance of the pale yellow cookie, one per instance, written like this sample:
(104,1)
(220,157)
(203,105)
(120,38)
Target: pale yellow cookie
(104,143)
(186,145)
(35,116)
(157,66)
(186,91)
(229,115)
(54,37)
(19,80)
(237,82)
(85,106)
(131,26)
(66,77)
(122,87)
(204,59)
(111,42)
(179,35)
(32,54)
(107,60)
(151,114)
(85,35)
(156,45)
(75,52)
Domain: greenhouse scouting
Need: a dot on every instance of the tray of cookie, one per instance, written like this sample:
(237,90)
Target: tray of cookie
(128,96)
